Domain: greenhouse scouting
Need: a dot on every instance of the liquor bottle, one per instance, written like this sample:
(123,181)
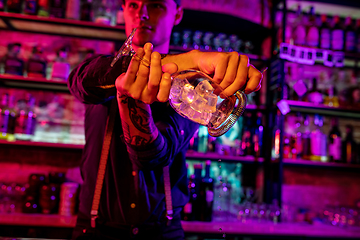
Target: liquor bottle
(275,150)
(312,31)
(14,6)
(196,206)
(350,35)
(207,194)
(335,141)
(331,99)
(337,35)
(325,33)
(306,140)
(315,95)
(187,211)
(2,5)
(102,13)
(57,8)
(357,35)
(246,140)
(86,13)
(26,118)
(73,9)
(299,31)
(297,146)
(43,8)
(318,141)
(13,64)
(36,65)
(30,7)
(203,139)
(7,117)
(258,136)
(61,68)
(349,146)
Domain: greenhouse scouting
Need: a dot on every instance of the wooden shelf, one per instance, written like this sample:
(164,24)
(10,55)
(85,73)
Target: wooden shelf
(307,107)
(216,157)
(229,228)
(309,163)
(42,144)
(34,83)
(59,26)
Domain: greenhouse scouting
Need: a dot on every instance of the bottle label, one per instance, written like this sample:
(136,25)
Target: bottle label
(312,37)
(325,38)
(350,41)
(337,39)
(335,148)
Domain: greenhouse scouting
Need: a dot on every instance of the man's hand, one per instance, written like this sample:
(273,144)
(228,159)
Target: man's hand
(145,82)
(232,71)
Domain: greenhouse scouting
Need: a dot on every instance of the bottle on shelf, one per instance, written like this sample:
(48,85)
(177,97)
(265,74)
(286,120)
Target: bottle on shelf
(331,99)
(306,138)
(350,35)
(299,32)
(102,12)
(36,65)
(318,141)
(26,118)
(73,9)
(312,30)
(258,135)
(324,33)
(297,145)
(61,67)
(57,8)
(275,150)
(2,5)
(7,117)
(30,7)
(315,95)
(207,194)
(187,211)
(13,63)
(349,146)
(337,35)
(335,141)
(43,8)
(196,203)
(14,6)
(203,139)
(357,34)
(246,140)
(86,12)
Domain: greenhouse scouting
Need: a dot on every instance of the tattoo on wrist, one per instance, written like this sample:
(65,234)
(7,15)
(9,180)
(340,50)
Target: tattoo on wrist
(135,140)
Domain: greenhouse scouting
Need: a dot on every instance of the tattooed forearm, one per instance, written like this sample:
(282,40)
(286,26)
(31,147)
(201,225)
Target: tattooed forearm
(138,126)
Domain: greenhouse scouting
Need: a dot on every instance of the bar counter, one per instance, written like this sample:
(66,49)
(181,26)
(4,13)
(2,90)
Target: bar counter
(228,228)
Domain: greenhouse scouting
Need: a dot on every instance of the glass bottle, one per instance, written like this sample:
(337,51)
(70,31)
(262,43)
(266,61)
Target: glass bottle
(26,118)
(196,207)
(13,63)
(86,12)
(349,146)
(57,8)
(246,140)
(43,8)
(36,65)
(30,7)
(258,135)
(61,67)
(350,35)
(7,117)
(315,95)
(207,194)
(14,6)
(187,212)
(299,31)
(306,141)
(325,33)
(312,32)
(335,141)
(337,35)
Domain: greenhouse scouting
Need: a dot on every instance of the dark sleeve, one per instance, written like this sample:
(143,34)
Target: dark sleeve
(175,133)
(93,80)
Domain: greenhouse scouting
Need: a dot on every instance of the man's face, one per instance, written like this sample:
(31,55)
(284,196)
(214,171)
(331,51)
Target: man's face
(154,20)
